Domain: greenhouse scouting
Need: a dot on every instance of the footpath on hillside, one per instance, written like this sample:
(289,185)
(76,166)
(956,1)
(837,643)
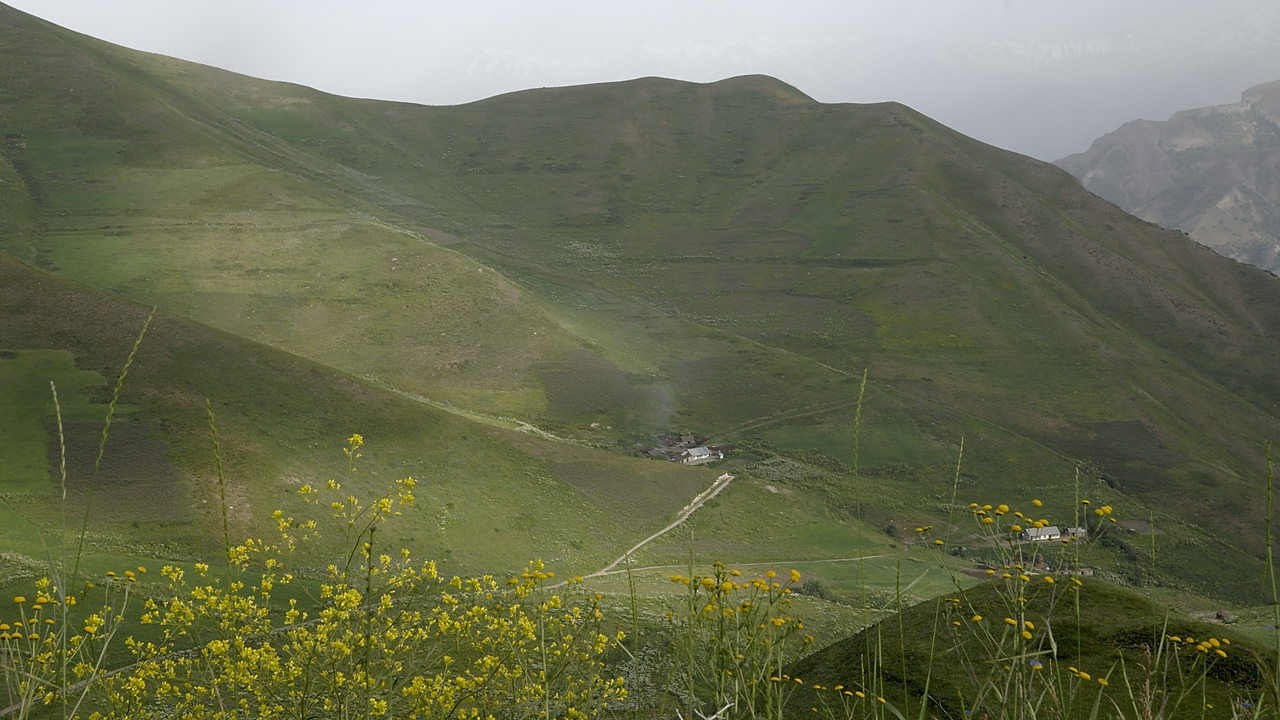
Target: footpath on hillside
(698,501)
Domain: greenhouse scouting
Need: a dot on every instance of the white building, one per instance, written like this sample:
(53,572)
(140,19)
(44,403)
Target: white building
(699,455)
(1035,534)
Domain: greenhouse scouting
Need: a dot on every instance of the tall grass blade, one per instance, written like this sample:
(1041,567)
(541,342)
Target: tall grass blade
(62,533)
(902,632)
(102,443)
(62,442)
(933,646)
(955,486)
(222,482)
(62,484)
(857,422)
(634,651)
(1271,573)
(862,570)
(115,394)
(1151,520)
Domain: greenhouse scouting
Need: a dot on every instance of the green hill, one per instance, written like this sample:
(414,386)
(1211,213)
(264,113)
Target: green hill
(606,263)
(960,652)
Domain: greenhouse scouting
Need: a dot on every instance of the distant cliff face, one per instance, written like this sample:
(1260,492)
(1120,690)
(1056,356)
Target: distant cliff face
(1213,173)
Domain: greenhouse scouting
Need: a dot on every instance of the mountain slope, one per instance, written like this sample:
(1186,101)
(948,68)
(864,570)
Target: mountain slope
(609,262)
(489,495)
(1210,172)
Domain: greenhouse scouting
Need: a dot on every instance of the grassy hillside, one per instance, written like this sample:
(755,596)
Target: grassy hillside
(610,262)
(489,497)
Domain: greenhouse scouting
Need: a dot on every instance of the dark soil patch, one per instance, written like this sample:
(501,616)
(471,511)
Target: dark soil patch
(1121,441)
(135,480)
(586,385)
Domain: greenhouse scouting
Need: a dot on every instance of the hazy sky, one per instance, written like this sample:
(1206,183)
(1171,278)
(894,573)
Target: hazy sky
(1042,77)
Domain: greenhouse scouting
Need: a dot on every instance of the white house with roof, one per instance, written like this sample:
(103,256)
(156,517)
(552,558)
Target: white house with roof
(1041,534)
(699,455)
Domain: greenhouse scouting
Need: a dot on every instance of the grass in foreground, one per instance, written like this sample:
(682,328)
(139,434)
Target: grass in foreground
(289,629)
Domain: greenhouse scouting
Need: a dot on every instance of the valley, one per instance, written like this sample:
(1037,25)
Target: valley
(511,300)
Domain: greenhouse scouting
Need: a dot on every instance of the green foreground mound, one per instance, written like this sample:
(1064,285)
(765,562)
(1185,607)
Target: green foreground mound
(1072,649)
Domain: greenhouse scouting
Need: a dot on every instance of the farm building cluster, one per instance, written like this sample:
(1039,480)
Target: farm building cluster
(684,449)
(1051,532)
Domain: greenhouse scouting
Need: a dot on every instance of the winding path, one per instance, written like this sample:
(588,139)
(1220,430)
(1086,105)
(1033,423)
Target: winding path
(698,501)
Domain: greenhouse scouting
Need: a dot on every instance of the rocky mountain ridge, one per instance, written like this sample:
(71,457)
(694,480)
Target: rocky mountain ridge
(1211,172)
